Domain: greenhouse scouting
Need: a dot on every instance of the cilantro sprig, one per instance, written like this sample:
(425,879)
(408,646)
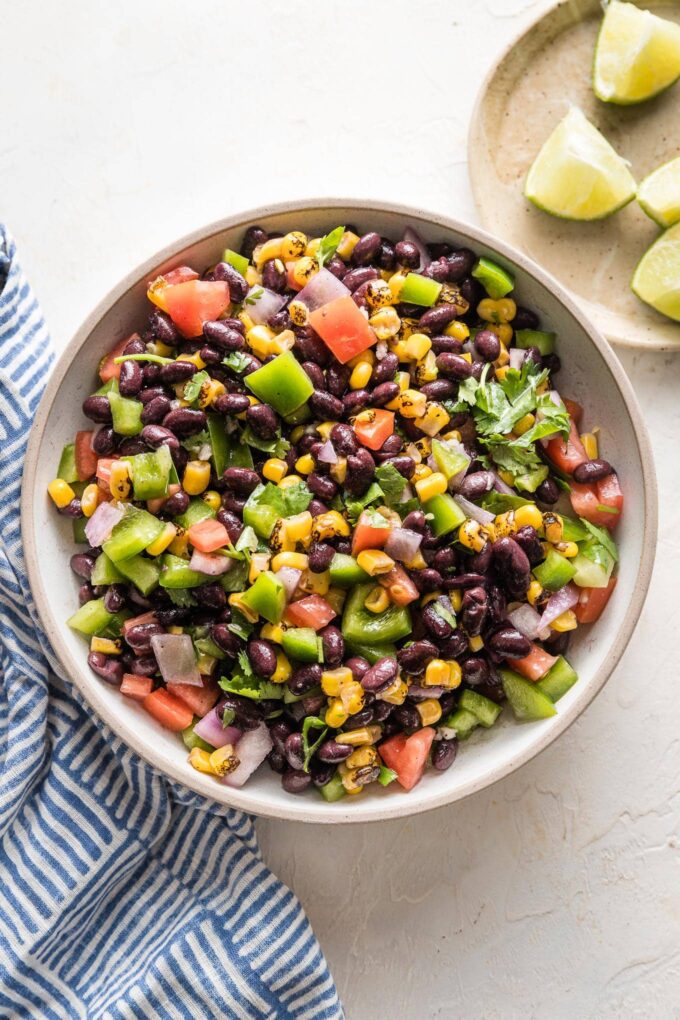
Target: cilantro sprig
(329,245)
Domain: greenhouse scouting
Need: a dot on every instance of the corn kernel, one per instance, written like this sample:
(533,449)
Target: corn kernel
(196,477)
(430,711)
(412,404)
(106,645)
(271,249)
(253,278)
(385,322)
(236,600)
(195,359)
(566,621)
(200,760)
(299,527)
(434,485)
(210,391)
(353,697)
(314,584)
(163,350)
(360,376)
(437,673)
(377,600)
(296,560)
(434,420)
(278,539)
(422,471)
(501,373)
(304,269)
(205,664)
(378,294)
(260,339)
(458,330)
(119,480)
(396,693)
(375,561)
(417,346)
(305,465)
(246,319)
(567,549)
(299,313)
(282,342)
(395,283)
(466,357)
(259,562)
(528,516)
(224,760)
(180,543)
(590,445)
(361,736)
(338,472)
(470,535)
(175,630)
(475,644)
(552,524)
(333,680)
(329,525)
(504,524)
(534,592)
(336,716)
(456,599)
(313,246)
(348,243)
(283,671)
(362,757)
(417,563)
(289,481)
(90,499)
(524,424)
(160,544)
(293,245)
(212,499)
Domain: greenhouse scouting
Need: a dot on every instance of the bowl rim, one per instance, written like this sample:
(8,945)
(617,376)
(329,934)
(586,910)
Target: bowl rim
(300,810)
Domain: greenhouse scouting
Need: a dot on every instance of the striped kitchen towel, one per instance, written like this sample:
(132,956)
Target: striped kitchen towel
(121,894)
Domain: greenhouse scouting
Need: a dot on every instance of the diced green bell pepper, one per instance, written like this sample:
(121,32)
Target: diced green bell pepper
(219,443)
(526,700)
(419,290)
(450,462)
(301,643)
(177,573)
(333,790)
(233,258)
(345,572)
(143,572)
(259,516)
(114,627)
(535,338)
(558,680)
(132,535)
(446,514)
(594,565)
(78,525)
(555,571)
(206,646)
(126,414)
(573,531)
(282,383)
(104,571)
(266,596)
(495,280)
(92,618)
(362,626)
(486,710)
(300,416)
(371,653)
(67,464)
(110,386)
(191,740)
(195,512)
(499,502)
(150,473)
(463,721)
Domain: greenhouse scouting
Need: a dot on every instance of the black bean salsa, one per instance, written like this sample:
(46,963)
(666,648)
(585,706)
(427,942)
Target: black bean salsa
(321,510)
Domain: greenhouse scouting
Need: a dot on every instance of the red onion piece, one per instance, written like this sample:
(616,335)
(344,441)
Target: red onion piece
(322,288)
(176,659)
(403,544)
(210,728)
(527,621)
(102,522)
(411,235)
(419,693)
(474,511)
(517,356)
(261,304)
(289,578)
(564,599)
(206,563)
(252,749)
(327,454)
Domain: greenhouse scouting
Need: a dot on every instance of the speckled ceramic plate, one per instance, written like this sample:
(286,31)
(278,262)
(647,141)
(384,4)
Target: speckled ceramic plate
(526,94)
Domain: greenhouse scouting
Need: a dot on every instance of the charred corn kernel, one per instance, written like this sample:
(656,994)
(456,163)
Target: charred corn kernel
(501,373)
(224,760)
(271,249)
(524,424)
(378,294)
(566,621)
(329,525)
(236,600)
(200,760)
(434,420)
(534,592)
(470,535)
(296,560)
(412,404)
(375,561)
(212,499)
(417,346)
(590,445)
(504,524)
(253,277)
(377,600)
(417,563)
(246,320)
(313,245)
(437,673)
(299,313)
(455,674)
(283,342)
(195,359)
(180,543)
(385,322)
(430,711)
(315,584)
(434,485)
(422,471)
(458,330)
(475,644)
(336,715)
(196,477)
(260,339)
(396,693)
(278,539)
(305,465)
(362,757)
(90,499)
(119,480)
(259,562)
(552,523)
(360,376)
(333,680)
(293,245)
(456,598)
(205,664)
(299,527)
(361,736)
(175,630)
(283,670)
(348,777)
(289,481)
(348,243)
(160,544)
(528,515)
(106,645)
(304,269)
(426,370)
(335,597)
(210,391)
(424,447)
(338,472)
(353,697)
(567,549)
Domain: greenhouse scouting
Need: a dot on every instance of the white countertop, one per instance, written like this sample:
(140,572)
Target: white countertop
(556,893)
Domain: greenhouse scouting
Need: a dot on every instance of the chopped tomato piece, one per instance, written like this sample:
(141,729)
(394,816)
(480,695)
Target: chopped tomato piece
(343,328)
(368,535)
(108,369)
(154,505)
(534,665)
(401,588)
(575,410)
(86,458)
(159,286)
(591,602)
(168,710)
(199,699)
(373,426)
(290,278)
(208,535)
(312,611)
(104,474)
(149,617)
(191,304)
(600,502)
(567,456)
(136,687)
(407,756)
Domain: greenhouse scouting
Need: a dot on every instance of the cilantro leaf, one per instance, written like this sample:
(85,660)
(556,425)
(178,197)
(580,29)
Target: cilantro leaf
(239,625)
(236,361)
(244,663)
(312,722)
(278,447)
(287,502)
(552,419)
(194,443)
(498,406)
(181,597)
(355,507)
(391,482)
(523,463)
(251,687)
(254,296)
(329,245)
(192,387)
(602,536)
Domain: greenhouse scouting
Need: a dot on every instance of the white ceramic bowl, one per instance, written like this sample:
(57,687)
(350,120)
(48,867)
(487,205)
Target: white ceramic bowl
(590,374)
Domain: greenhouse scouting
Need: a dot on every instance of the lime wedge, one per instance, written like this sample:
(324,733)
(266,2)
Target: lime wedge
(577,175)
(637,55)
(659,194)
(657,277)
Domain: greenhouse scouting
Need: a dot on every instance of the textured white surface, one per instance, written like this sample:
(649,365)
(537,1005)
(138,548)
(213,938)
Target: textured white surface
(556,894)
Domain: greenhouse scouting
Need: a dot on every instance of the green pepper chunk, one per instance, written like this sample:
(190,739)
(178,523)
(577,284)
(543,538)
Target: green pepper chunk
(446,514)
(132,535)
(301,643)
(526,700)
(555,571)
(486,710)
(495,280)
(126,414)
(261,517)
(233,258)
(104,571)
(143,572)
(535,338)
(449,461)
(67,464)
(365,627)
(150,473)
(282,383)
(92,618)
(177,573)
(333,790)
(371,653)
(463,721)
(79,524)
(197,511)
(266,596)
(419,290)
(345,572)
(558,680)
(191,740)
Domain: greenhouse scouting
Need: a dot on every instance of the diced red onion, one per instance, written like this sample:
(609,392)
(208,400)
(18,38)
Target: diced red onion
(419,693)
(564,599)
(261,304)
(176,659)
(381,350)
(252,749)
(134,621)
(210,728)
(322,288)
(289,578)
(517,356)
(205,452)
(527,621)
(327,454)
(470,349)
(500,486)
(474,511)
(206,563)
(411,235)
(403,544)
(102,522)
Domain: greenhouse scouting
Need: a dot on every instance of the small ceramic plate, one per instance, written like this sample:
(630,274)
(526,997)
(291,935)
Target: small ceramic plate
(525,95)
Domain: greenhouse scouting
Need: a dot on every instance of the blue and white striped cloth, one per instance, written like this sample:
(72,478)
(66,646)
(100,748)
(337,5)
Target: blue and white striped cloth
(121,894)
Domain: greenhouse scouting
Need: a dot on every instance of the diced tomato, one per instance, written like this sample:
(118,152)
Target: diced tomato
(191,304)
(407,756)
(610,494)
(591,602)
(154,505)
(312,611)
(168,710)
(86,458)
(343,328)
(208,535)
(290,279)
(588,501)
(372,427)
(107,366)
(199,699)
(369,536)
(575,410)
(567,456)
(534,665)
(149,617)
(158,287)
(136,687)
(401,588)
(104,474)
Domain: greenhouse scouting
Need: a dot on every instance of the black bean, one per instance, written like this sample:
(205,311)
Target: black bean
(137,599)
(139,636)
(527,538)
(385,370)
(513,565)
(459,264)
(427,580)
(509,643)
(232,403)
(415,521)
(413,658)
(262,656)
(172,615)
(487,345)
(324,488)
(234,504)
(82,564)
(454,646)
(293,750)
(97,408)
(454,366)
(85,594)
(223,336)
(472,291)
(333,645)
(238,288)
(343,438)
(241,480)
(252,239)
(277,761)
(481,561)
(436,319)
(474,610)
(325,406)
(130,379)
(149,393)
(321,772)
(279,731)
(337,378)
(437,270)
(435,624)
(317,507)
(385,255)
(320,556)
(131,447)
(311,347)
(365,249)
(360,295)
(315,373)
(210,356)
(552,363)
(359,667)
(444,559)
(475,671)
(249,714)
(295,781)
(384,393)
(356,278)
(156,436)
(185,421)
(475,485)
(533,354)
(135,345)
(360,719)
(151,374)
(72,509)
(263,421)
(446,345)
(360,472)
(176,504)
(558,644)
(106,667)
(114,600)
(227,641)
(438,389)
(592,471)
(177,371)
(305,679)
(408,254)
(404,465)
(548,492)
(392,447)
(143,665)
(104,441)
(156,410)
(211,595)
(380,675)
(525,319)
(354,402)
(407,716)
(444,754)
(163,328)
(336,266)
